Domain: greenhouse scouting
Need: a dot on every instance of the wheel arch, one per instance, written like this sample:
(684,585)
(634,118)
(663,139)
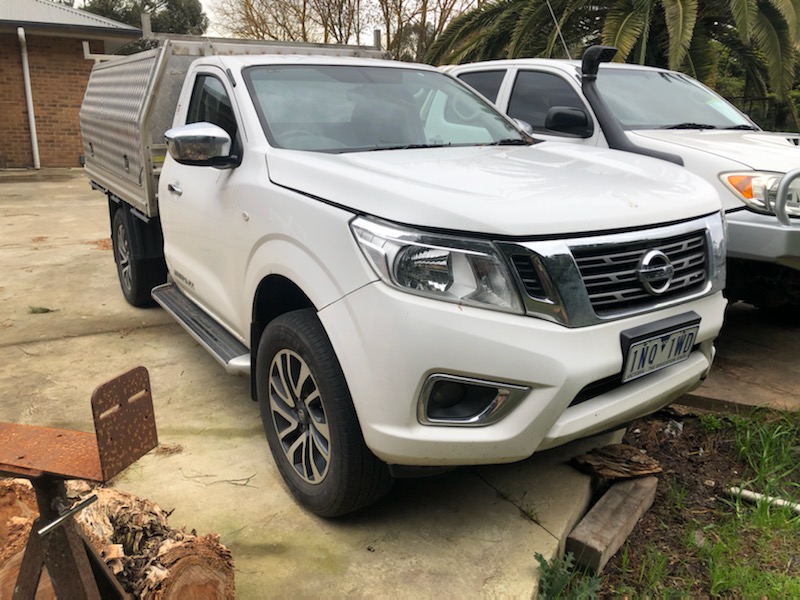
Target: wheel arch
(275,295)
(145,232)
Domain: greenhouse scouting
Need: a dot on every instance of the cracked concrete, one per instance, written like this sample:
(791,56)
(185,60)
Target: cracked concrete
(472,532)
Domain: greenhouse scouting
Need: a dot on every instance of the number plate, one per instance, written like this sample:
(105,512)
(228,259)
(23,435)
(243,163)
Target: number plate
(660,349)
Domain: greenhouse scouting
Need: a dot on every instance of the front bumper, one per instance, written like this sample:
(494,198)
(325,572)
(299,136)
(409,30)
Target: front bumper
(763,238)
(389,342)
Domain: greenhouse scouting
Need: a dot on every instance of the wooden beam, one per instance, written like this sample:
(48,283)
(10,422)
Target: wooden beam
(604,529)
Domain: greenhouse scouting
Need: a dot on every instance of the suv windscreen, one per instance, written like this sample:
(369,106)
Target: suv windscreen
(657,100)
(332,108)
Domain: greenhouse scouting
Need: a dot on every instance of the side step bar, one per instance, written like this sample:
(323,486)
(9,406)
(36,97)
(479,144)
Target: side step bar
(230,352)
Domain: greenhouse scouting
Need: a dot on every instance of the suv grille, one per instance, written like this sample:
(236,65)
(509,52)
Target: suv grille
(609,271)
(528,274)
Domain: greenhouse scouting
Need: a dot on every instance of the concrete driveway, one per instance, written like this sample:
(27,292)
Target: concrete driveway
(756,364)
(65,328)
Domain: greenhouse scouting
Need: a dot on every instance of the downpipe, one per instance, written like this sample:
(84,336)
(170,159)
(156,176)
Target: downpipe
(26,76)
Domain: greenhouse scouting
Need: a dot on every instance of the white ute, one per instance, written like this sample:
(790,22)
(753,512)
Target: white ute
(409,281)
(665,111)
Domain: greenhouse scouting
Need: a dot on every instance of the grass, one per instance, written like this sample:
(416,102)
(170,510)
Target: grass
(762,531)
(770,446)
(736,548)
(560,578)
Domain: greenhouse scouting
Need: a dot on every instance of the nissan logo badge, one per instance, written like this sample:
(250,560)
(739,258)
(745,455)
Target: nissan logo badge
(655,272)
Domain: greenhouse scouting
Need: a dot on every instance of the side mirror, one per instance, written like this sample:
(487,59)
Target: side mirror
(201,145)
(568,120)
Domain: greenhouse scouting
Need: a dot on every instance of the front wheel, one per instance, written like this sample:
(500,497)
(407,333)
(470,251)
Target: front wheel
(309,419)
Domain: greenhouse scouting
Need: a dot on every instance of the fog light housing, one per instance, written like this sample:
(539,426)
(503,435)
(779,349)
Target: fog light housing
(461,401)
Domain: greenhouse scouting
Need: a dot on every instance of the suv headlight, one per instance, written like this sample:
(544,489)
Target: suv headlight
(443,267)
(758,190)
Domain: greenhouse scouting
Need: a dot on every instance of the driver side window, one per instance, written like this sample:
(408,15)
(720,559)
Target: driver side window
(210,103)
(535,93)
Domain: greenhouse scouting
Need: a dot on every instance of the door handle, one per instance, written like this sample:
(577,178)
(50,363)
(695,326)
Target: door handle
(175,189)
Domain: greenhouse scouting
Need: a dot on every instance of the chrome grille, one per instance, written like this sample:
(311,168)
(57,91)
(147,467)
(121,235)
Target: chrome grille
(526,270)
(609,271)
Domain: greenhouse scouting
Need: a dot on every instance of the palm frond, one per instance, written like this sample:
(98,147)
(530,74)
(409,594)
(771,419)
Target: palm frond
(533,23)
(681,16)
(789,10)
(624,25)
(701,60)
(775,41)
(750,60)
(471,34)
(743,13)
(573,14)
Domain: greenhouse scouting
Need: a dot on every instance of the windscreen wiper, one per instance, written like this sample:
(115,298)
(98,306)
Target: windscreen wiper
(511,142)
(408,147)
(743,127)
(689,126)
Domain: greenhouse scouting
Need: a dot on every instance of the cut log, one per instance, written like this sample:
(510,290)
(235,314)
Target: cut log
(17,512)
(149,558)
(8,580)
(617,461)
(604,529)
(191,567)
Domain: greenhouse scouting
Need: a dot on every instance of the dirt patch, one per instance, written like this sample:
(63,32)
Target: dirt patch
(699,464)
(103,244)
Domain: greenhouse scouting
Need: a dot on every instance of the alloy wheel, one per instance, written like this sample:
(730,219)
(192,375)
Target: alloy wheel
(124,257)
(298,415)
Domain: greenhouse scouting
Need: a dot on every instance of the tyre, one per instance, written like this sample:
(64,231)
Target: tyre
(309,419)
(137,275)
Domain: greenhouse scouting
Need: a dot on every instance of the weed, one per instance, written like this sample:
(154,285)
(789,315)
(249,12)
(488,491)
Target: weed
(711,423)
(625,559)
(39,310)
(769,447)
(560,578)
(676,496)
(653,571)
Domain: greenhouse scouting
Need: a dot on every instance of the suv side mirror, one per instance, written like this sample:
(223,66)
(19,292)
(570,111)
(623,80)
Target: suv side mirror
(201,145)
(568,120)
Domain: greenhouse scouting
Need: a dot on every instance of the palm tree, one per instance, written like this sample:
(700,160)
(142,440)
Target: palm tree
(686,35)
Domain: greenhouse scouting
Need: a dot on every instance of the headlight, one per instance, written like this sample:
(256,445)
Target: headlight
(758,190)
(443,267)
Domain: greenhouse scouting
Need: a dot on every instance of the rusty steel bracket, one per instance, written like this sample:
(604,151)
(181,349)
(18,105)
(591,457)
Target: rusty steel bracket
(125,430)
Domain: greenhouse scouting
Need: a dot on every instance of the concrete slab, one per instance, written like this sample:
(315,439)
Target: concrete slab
(470,532)
(756,363)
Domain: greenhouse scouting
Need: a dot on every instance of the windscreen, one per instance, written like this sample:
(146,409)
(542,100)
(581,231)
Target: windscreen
(334,108)
(657,100)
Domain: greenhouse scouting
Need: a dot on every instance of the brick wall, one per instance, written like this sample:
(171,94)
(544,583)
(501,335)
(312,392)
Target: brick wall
(59,74)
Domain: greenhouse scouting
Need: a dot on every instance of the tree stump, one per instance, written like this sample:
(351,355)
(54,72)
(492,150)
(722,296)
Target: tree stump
(149,558)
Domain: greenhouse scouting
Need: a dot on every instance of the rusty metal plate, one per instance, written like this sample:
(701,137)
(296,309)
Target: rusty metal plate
(124,420)
(27,449)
